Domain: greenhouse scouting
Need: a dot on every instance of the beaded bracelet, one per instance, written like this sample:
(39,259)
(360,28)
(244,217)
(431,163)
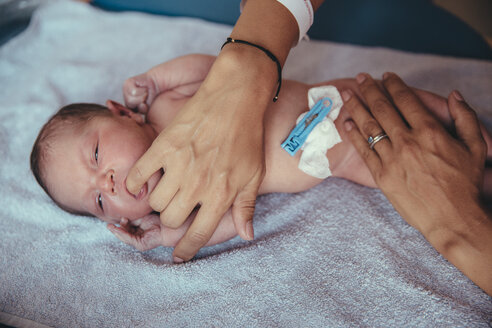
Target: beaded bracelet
(269,54)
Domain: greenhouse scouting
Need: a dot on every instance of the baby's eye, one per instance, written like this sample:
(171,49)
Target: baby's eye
(100,202)
(96,152)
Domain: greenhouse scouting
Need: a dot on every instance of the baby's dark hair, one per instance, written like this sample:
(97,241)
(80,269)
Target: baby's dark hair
(71,115)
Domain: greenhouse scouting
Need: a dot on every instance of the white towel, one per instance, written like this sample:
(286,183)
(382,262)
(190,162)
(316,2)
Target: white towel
(336,255)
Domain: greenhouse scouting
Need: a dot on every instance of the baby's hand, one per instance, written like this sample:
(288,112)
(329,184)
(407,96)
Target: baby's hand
(144,234)
(147,233)
(139,92)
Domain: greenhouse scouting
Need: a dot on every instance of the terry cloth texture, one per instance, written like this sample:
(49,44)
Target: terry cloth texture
(337,255)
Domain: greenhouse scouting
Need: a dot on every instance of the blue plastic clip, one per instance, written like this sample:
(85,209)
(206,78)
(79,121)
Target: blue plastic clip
(299,134)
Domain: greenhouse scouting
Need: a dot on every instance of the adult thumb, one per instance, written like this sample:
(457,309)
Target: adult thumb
(243,210)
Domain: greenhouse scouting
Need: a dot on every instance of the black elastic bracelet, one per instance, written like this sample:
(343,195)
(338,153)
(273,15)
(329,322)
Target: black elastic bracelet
(269,54)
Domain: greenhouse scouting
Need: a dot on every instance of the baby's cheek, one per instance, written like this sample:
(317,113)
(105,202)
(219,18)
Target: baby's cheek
(128,207)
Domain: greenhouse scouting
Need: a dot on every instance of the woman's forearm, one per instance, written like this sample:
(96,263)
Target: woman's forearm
(465,240)
(432,178)
(278,33)
(257,25)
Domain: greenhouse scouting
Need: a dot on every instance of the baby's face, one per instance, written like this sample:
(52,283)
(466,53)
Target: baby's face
(86,168)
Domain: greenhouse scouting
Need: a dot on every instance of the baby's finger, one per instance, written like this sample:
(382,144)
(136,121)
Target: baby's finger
(149,221)
(122,235)
(143,108)
(125,225)
(133,93)
(136,223)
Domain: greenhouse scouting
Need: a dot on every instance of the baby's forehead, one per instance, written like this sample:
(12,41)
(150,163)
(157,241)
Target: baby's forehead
(70,134)
(61,158)
(74,126)
(63,135)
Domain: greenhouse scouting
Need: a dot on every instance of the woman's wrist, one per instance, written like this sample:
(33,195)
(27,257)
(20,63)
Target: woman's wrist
(248,70)
(457,228)
(257,26)
(465,241)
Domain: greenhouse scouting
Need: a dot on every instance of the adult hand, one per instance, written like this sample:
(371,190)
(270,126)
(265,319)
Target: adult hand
(212,154)
(432,179)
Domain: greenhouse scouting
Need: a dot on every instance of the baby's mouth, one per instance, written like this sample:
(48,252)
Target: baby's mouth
(141,194)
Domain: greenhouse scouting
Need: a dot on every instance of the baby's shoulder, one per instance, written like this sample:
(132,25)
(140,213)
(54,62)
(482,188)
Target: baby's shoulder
(164,108)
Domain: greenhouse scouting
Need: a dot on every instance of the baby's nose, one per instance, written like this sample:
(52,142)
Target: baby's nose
(106,182)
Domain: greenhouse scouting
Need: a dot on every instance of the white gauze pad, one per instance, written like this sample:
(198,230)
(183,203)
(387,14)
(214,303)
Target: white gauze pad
(324,135)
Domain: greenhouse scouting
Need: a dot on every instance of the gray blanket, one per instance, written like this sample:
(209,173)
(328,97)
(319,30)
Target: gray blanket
(337,255)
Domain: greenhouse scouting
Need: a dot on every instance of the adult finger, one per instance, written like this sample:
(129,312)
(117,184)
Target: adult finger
(165,190)
(467,125)
(212,209)
(150,162)
(380,106)
(409,105)
(243,210)
(199,233)
(367,125)
(178,210)
(354,107)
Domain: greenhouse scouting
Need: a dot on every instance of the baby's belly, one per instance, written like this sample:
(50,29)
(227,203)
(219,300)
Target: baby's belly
(280,120)
(293,101)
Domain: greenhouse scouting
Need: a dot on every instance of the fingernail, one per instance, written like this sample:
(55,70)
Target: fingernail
(346,95)
(177,259)
(361,77)
(457,95)
(348,125)
(249,230)
(386,75)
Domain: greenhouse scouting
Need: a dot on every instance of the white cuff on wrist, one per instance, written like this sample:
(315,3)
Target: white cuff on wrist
(302,10)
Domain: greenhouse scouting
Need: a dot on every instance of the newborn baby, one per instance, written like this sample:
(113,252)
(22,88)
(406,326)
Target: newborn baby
(83,154)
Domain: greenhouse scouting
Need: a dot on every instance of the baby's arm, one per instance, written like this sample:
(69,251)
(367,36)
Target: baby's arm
(147,233)
(183,74)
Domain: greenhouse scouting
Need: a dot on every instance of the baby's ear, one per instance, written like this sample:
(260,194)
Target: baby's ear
(120,110)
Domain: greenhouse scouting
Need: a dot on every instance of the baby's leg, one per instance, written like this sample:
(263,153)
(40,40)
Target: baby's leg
(439,107)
